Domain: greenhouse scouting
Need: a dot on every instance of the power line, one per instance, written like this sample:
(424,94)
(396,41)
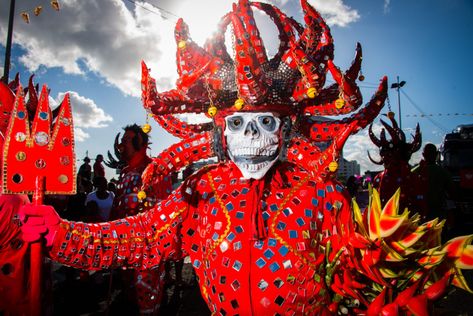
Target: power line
(439,114)
(156,7)
(438,125)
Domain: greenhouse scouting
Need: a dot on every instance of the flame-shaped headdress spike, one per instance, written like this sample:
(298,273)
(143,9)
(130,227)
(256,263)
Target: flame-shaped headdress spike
(192,61)
(417,140)
(397,145)
(392,132)
(249,75)
(400,133)
(215,45)
(373,137)
(13,85)
(372,160)
(313,21)
(382,136)
(246,13)
(211,78)
(355,67)
(285,27)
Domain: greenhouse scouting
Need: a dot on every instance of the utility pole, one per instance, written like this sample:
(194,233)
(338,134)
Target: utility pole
(398,86)
(6,68)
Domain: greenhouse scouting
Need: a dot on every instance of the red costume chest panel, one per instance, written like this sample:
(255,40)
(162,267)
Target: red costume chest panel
(219,216)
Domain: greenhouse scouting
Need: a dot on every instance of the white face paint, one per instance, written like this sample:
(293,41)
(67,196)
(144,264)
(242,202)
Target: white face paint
(253,142)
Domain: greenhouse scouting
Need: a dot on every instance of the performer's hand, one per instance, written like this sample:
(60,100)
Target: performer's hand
(39,220)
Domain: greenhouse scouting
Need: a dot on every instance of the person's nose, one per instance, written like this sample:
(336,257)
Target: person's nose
(251,129)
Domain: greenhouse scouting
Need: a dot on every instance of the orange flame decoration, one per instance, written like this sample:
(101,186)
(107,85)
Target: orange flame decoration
(394,264)
(28,154)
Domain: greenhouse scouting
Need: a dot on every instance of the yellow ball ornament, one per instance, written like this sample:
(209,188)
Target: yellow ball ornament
(212,111)
(333,166)
(339,103)
(311,92)
(141,195)
(239,103)
(146,128)
(390,115)
(182,44)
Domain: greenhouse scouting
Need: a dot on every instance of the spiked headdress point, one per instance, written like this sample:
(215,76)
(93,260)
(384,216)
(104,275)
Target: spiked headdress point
(397,144)
(291,84)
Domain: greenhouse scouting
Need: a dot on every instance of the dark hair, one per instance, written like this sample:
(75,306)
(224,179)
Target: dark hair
(100,180)
(430,152)
(139,135)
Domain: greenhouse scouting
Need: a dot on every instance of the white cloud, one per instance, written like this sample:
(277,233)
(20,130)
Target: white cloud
(335,12)
(86,114)
(386,6)
(80,135)
(357,146)
(110,38)
(103,37)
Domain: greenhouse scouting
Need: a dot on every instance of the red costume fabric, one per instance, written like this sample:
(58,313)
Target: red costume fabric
(269,230)
(129,183)
(13,258)
(146,286)
(400,176)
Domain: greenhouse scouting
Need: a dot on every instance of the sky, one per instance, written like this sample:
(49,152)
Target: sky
(93,49)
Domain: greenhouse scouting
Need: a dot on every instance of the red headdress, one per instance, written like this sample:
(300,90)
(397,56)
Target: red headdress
(291,84)
(396,147)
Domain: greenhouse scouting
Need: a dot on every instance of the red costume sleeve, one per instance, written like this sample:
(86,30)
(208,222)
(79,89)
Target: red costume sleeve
(139,241)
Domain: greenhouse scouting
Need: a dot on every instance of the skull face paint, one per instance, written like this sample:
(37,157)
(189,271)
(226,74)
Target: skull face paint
(253,142)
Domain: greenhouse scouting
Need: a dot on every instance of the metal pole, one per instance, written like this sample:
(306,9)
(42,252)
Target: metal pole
(6,68)
(399,101)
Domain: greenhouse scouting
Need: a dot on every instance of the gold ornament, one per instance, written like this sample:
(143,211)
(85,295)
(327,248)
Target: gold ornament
(311,92)
(146,128)
(212,111)
(182,44)
(141,195)
(239,103)
(333,166)
(361,78)
(339,103)
(390,115)
(63,178)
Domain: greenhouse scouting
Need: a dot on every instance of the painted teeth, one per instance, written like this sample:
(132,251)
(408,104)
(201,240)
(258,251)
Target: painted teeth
(253,167)
(252,151)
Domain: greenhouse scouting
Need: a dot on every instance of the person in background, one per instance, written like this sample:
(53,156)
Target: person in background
(352,186)
(100,201)
(112,187)
(143,289)
(436,183)
(99,169)
(85,172)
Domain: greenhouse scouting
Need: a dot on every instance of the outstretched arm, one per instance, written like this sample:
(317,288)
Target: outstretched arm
(138,242)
